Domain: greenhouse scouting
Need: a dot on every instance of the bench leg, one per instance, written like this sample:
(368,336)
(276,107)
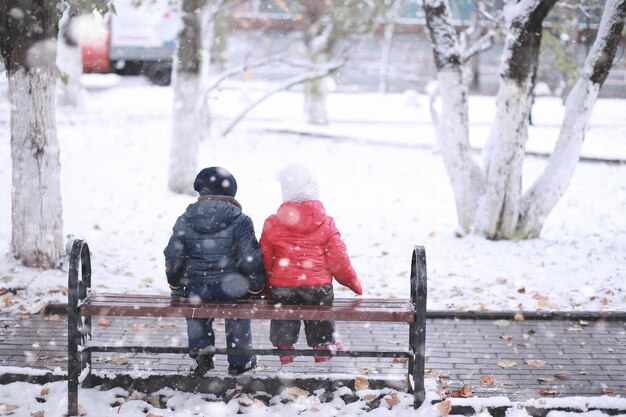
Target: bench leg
(417,336)
(77,289)
(73,362)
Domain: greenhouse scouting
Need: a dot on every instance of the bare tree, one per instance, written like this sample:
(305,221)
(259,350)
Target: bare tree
(490,200)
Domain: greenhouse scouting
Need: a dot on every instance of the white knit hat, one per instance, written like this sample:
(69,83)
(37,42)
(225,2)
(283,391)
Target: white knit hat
(298,184)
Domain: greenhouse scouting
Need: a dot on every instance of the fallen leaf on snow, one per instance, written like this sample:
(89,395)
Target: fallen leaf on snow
(518,317)
(506,363)
(501,323)
(297,392)
(153,415)
(521,290)
(103,322)
(464,392)
(430,374)
(118,359)
(545,379)
(537,363)
(487,380)
(444,407)
(574,330)
(314,409)
(7,408)
(138,326)
(562,375)
(392,399)
(39,413)
(45,391)
(361,383)
(506,337)
(370,397)
(547,392)
(443,376)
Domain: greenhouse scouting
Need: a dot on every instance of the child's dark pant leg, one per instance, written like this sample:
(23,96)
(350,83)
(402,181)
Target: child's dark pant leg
(284,332)
(200,334)
(319,332)
(238,335)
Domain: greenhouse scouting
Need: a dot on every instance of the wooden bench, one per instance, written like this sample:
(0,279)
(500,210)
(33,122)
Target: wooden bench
(83,304)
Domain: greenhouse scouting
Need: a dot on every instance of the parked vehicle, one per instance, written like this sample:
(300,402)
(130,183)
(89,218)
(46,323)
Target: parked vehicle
(137,39)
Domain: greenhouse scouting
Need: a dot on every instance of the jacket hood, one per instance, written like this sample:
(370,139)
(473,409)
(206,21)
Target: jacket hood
(302,217)
(210,215)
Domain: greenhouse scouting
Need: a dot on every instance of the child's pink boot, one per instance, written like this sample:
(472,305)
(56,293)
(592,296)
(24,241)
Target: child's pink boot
(285,359)
(333,347)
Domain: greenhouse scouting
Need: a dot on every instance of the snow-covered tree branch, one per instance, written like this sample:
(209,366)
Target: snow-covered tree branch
(315,74)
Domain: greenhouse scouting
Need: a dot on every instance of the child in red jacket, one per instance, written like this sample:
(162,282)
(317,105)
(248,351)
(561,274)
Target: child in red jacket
(302,252)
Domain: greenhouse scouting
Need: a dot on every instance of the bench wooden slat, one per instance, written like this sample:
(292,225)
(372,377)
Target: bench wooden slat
(348,309)
(157,298)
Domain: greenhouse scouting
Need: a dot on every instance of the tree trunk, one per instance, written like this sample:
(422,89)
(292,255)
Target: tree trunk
(186,123)
(318,41)
(209,13)
(28,46)
(315,102)
(499,207)
(453,129)
(70,64)
(543,195)
(390,25)
(36,212)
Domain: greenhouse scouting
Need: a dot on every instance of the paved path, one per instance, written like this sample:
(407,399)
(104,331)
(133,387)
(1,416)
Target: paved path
(524,359)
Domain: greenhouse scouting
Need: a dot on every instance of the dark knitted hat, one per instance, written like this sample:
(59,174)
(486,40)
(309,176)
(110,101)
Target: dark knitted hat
(215,181)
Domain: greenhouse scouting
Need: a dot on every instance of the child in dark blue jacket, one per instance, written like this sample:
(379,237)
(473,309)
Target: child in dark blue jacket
(213,254)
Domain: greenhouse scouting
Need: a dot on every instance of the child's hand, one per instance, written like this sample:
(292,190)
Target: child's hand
(255,295)
(356,287)
(177,291)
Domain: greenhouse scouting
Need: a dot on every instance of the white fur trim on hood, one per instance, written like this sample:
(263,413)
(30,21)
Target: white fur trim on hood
(298,184)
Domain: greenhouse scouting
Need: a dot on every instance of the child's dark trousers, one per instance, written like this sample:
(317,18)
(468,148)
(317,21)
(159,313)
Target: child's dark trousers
(318,332)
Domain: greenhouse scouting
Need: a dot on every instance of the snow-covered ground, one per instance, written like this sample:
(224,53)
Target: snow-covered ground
(382,180)
(21,399)
(385,186)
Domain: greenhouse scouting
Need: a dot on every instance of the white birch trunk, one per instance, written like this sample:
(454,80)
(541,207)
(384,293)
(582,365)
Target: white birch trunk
(186,122)
(186,132)
(315,102)
(318,44)
(547,190)
(209,13)
(390,26)
(36,212)
(453,127)
(453,137)
(498,208)
(70,64)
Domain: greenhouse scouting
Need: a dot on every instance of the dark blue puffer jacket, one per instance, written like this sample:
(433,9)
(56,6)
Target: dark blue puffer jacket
(213,242)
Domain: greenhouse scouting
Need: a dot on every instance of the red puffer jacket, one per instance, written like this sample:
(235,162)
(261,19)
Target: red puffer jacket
(302,247)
